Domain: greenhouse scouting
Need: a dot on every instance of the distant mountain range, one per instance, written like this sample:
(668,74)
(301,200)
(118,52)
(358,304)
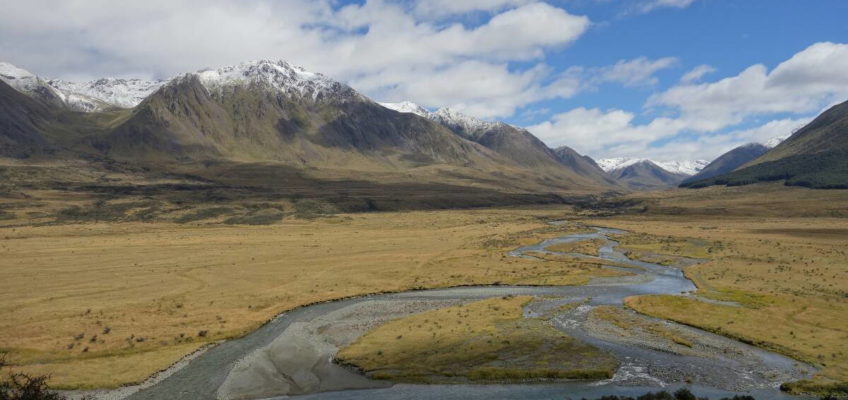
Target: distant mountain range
(815,156)
(233,124)
(230,124)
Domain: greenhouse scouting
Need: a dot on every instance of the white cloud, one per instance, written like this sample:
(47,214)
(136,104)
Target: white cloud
(635,72)
(804,85)
(440,8)
(695,74)
(381,47)
(651,5)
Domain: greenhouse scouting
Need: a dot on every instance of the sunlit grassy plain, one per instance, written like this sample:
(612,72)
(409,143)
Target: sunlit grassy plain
(789,274)
(154,292)
(105,304)
(482,341)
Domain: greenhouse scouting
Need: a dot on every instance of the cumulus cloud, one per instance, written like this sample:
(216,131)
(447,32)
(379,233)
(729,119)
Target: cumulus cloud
(804,83)
(381,47)
(802,86)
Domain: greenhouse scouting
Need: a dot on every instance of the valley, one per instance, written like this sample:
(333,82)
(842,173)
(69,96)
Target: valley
(257,230)
(88,316)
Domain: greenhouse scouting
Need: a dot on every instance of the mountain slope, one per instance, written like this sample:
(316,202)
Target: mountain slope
(94,96)
(272,111)
(21,122)
(646,175)
(584,165)
(729,161)
(514,143)
(815,156)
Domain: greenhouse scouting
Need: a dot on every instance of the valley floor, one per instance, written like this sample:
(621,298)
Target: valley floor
(106,304)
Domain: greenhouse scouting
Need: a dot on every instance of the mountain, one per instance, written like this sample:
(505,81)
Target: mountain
(21,121)
(735,158)
(584,165)
(730,161)
(93,96)
(28,83)
(646,175)
(274,111)
(278,131)
(688,167)
(514,143)
(815,156)
(103,93)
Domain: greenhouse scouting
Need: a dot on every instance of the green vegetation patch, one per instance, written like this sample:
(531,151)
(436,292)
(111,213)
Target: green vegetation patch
(488,340)
(825,170)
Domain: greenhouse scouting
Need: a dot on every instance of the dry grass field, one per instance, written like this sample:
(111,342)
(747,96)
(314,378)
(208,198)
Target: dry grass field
(97,297)
(788,275)
(105,304)
(591,247)
(487,340)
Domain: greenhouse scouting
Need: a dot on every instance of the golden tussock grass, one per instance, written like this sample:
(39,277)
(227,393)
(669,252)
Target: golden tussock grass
(487,340)
(788,275)
(135,297)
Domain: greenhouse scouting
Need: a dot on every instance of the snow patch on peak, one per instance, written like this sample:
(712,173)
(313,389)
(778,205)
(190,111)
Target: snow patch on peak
(612,164)
(10,71)
(408,107)
(687,167)
(773,142)
(117,92)
(80,96)
(23,80)
(276,75)
(466,123)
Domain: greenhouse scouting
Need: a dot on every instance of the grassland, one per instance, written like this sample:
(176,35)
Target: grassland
(590,247)
(787,275)
(103,304)
(488,340)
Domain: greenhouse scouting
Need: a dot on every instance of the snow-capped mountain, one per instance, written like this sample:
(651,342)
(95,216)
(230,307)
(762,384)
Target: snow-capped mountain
(29,84)
(80,96)
(20,79)
(465,123)
(122,93)
(457,121)
(277,76)
(612,164)
(773,142)
(408,107)
(687,167)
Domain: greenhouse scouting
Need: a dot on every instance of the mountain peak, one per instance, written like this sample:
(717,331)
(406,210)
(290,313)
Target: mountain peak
(466,123)
(408,107)
(276,75)
(687,167)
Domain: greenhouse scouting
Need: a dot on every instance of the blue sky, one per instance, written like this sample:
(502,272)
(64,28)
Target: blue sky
(605,77)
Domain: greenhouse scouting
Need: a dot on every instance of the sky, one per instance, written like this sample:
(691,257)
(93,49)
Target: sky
(661,79)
